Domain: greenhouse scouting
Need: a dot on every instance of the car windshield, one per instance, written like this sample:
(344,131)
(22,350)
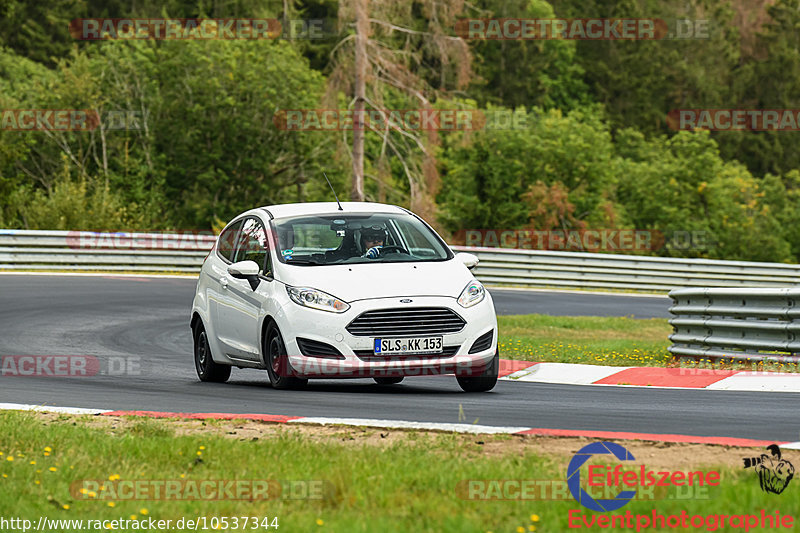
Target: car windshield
(356,238)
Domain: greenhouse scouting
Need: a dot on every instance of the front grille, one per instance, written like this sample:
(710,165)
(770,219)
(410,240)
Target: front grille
(414,321)
(484,342)
(369,355)
(311,348)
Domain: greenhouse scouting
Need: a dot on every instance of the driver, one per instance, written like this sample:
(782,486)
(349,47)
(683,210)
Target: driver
(373,240)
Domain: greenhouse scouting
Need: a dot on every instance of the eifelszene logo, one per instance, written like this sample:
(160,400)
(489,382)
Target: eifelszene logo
(774,472)
(574,476)
(635,477)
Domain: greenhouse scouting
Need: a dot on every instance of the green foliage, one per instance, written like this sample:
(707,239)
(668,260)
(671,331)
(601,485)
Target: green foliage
(201,142)
(682,184)
(593,150)
(487,173)
(78,204)
(530,73)
(570,174)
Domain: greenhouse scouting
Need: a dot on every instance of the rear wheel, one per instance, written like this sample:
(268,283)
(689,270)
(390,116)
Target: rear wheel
(486,380)
(207,369)
(278,367)
(388,381)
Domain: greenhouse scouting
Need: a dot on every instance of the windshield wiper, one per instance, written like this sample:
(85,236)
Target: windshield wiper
(302,262)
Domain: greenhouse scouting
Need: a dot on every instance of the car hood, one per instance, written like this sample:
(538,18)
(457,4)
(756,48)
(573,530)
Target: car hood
(380,280)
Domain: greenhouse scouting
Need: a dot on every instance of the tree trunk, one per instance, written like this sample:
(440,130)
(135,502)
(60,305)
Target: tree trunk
(362,29)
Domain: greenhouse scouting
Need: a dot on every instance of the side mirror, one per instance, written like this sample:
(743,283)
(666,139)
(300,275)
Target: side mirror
(470,260)
(247,270)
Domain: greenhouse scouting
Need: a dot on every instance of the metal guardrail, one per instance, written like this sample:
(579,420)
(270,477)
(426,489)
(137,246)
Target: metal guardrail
(736,323)
(86,250)
(534,268)
(154,252)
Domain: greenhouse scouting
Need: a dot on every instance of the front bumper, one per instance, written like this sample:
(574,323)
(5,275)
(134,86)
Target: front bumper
(357,359)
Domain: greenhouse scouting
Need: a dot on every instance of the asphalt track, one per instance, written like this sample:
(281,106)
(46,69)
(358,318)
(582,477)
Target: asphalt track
(145,321)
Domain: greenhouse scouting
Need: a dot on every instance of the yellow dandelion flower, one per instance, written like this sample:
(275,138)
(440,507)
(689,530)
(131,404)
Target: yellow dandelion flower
(112,504)
(10,458)
(52,469)
(534,518)
(33,462)
(48,449)
(143,512)
(320,522)
(65,507)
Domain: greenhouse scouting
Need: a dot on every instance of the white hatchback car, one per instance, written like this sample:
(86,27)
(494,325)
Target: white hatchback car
(319,290)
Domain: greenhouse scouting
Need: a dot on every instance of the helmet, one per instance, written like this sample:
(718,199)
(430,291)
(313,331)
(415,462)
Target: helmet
(372,233)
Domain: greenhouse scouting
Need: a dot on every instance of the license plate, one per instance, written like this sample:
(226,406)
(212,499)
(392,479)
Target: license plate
(408,345)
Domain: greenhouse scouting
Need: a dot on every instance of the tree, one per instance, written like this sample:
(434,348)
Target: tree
(400,52)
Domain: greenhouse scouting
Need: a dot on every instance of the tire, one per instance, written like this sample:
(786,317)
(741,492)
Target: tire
(278,368)
(484,382)
(207,369)
(388,381)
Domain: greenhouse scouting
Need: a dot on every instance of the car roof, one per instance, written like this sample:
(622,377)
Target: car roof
(329,208)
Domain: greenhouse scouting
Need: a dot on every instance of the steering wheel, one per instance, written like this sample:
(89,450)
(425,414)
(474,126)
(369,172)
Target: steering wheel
(394,248)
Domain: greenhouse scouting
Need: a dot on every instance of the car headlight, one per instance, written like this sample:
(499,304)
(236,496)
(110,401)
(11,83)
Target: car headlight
(316,299)
(473,293)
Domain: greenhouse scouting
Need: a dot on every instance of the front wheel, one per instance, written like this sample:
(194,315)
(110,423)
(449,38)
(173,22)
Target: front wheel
(486,380)
(207,369)
(278,367)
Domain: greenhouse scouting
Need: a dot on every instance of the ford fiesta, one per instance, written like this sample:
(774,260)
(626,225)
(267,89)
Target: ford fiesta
(322,290)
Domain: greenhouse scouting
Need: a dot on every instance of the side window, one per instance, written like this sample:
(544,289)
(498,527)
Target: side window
(227,240)
(253,244)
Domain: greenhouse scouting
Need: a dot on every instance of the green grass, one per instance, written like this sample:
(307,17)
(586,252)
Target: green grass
(614,341)
(408,484)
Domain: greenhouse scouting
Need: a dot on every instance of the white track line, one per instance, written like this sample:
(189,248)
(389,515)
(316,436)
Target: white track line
(52,409)
(565,373)
(402,424)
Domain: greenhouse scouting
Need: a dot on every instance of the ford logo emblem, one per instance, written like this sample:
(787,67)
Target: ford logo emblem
(406,301)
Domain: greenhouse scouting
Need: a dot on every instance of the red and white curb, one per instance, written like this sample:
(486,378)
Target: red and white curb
(673,378)
(405,424)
